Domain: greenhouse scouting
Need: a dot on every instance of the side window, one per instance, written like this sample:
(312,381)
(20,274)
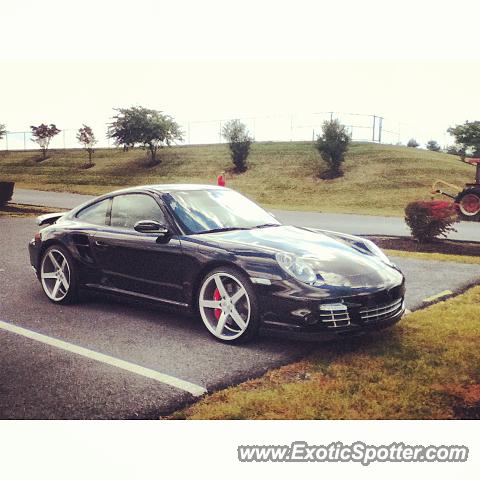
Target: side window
(129,209)
(96,213)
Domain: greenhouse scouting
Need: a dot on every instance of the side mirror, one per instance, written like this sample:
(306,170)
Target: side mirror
(150,226)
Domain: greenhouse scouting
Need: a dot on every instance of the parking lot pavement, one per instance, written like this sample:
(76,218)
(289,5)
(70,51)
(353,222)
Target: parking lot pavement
(368,224)
(89,368)
(49,199)
(426,279)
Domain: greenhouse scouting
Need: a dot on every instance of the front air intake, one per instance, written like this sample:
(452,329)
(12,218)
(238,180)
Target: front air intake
(381,312)
(334,315)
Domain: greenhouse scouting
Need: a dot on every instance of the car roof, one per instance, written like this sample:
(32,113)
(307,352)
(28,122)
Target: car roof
(167,188)
(158,188)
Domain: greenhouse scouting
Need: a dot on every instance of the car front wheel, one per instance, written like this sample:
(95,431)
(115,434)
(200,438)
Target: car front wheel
(228,305)
(58,276)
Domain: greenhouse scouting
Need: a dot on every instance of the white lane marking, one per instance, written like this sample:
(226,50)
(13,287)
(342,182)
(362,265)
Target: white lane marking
(445,293)
(195,390)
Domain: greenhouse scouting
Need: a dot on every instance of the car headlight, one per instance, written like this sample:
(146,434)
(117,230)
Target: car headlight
(376,251)
(296,267)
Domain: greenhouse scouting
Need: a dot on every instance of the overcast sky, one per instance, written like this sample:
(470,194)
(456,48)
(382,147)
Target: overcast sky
(417,63)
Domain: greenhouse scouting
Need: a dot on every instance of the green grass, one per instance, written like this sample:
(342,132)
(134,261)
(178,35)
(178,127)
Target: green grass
(379,179)
(16,210)
(441,257)
(426,367)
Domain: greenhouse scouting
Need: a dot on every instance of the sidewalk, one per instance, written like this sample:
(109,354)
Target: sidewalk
(348,223)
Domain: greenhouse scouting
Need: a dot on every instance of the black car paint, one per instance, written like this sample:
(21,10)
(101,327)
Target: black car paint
(169,269)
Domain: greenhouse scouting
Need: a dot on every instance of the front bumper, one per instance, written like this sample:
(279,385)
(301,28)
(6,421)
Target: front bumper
(332,317)
(34,255)
(305,333)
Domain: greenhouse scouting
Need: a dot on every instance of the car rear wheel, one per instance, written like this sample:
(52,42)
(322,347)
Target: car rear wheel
(228,305)
(58,276)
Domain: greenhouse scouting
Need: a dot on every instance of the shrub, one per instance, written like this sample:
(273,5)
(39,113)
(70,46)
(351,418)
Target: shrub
(412,143)
(429,219)
(6,192)
(332,145)
(433,146)
(239,142)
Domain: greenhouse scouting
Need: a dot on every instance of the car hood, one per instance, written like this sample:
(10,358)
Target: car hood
(345,264)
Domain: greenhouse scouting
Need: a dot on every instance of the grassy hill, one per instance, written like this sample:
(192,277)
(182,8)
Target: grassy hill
(379,179)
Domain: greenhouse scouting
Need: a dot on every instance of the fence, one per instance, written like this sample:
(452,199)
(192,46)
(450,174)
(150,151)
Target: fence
(283,127)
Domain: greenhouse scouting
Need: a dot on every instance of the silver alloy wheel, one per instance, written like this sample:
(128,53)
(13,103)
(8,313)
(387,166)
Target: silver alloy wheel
(55,275)
(224,306)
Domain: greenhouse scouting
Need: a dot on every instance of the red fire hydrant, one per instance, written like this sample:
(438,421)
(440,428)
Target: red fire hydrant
(221,180)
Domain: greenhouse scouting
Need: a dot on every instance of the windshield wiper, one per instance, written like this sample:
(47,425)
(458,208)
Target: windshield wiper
(224,229)
(266,225)
(229,229)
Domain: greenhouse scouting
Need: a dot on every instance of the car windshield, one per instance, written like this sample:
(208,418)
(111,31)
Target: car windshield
(202,211)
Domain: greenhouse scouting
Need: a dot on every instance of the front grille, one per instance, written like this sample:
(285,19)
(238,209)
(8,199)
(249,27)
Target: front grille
(334,315)
(381,312)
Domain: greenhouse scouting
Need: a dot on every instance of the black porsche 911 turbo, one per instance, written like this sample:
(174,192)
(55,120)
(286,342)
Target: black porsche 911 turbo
(212,250)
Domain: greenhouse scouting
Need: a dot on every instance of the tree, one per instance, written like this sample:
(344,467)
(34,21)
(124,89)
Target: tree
(468,136)
(239,143)
(3,130)
(433,146)
(457,150)
(42,135)
(412,143)
(332,145)
(151,129)
(86,137)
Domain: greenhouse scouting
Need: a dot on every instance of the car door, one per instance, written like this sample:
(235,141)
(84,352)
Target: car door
(88,221)
(143,264)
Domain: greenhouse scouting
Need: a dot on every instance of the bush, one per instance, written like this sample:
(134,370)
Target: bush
(6,192)
(239,142)
(412,143)
(429,219)
(332,145)
(433,146)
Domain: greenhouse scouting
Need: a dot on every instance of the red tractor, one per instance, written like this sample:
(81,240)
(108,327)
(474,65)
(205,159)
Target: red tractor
(466,199)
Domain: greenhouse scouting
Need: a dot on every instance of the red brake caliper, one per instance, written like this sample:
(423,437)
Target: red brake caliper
(217,297)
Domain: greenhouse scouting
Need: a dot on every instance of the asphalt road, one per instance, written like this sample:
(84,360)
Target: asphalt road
(348,223)
(38,380)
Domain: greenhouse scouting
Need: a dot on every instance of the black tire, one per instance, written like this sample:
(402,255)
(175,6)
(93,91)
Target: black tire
(253,324)
(467,193)
(72,293)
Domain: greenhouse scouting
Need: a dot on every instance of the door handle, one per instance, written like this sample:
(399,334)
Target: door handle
(101,244)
